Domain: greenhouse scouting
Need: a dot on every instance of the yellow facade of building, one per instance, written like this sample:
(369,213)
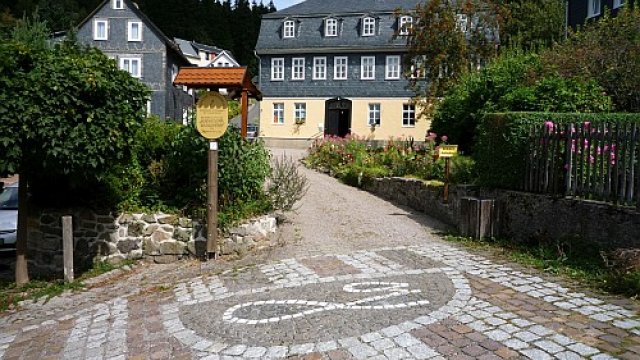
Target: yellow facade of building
(283,130)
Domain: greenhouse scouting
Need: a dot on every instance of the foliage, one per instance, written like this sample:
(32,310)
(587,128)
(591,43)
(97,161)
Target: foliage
(355,163)
(286,185)
(234,109)
(172,161)
(569,257)
(439,49)
(452,38)
(607,50)
(513,82)
(503,142)
(68,111)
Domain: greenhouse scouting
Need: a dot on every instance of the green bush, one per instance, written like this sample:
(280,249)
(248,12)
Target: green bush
(503,142)
(463,170)
(607,51)
(512,82)
(360,176)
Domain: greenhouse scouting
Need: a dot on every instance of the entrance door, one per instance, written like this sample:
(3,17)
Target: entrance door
(337,121)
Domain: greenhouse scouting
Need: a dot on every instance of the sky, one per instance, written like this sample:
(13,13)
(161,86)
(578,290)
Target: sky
(281,4)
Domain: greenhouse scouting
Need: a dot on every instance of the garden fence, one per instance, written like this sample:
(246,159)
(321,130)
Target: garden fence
(594,161)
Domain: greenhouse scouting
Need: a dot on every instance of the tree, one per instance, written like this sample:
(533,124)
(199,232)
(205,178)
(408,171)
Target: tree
(451,38)
(65,111)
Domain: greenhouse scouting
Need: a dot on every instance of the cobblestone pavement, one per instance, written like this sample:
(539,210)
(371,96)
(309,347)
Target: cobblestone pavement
(358,278)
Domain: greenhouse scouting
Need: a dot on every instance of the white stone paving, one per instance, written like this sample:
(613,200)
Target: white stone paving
(288,271)
(370,262)
(528,338)
(5,340)
(100,332)
(200,289)
(533,286)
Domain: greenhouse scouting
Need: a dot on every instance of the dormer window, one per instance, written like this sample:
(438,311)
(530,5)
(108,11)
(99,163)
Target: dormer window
(368,26)
(331,27)
(117,4)
(289,29)
(404,25)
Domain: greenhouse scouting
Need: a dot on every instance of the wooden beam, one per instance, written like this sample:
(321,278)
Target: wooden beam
(245,113)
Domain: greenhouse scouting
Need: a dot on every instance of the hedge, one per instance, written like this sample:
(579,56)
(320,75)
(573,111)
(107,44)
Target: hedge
(502,142)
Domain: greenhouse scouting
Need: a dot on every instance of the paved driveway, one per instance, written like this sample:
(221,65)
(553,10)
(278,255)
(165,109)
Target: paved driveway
(358,278)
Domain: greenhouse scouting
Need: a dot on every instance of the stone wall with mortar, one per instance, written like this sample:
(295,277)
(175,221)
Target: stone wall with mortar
(111,237)
(520,216)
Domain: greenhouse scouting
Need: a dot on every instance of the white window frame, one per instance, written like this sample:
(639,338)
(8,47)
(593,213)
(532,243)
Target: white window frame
(289,29)
(408,115)
(618,3)
(405,23)
(300,113)
(277,69)
(319,68)
(368,26)
(367,68)
(297,68)
(130,28)
(591,4)
(278,114)
(392,71)
(95,29)
(375,109)
(129,67)
(331,24)
(117,4)
(344,66)
(462,21)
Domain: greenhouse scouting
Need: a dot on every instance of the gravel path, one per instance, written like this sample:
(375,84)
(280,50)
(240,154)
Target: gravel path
(336,218)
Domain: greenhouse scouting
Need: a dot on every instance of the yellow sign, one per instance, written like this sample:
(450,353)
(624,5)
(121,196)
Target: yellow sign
(446,151)
(212,115)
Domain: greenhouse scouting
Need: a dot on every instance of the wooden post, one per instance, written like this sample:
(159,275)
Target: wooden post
(245,113)
(67,247)
(212,201)
(446,180)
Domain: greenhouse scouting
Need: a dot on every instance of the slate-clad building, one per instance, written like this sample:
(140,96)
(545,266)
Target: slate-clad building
(579,11)
(333,67)
(120,30)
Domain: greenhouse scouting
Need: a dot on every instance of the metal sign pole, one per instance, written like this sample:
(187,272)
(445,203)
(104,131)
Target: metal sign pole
(212,201)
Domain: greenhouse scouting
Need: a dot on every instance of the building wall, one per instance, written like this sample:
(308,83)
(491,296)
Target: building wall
(390,119)
(352,86)
(157,64)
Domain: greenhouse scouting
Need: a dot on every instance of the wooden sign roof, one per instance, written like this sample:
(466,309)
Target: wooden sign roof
(234,79)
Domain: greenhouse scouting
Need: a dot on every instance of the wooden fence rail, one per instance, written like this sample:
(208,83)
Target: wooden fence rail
(587,161)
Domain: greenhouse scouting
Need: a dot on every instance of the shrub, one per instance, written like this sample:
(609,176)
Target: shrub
(503,142)
(513,82)
(607,50)
(361,176)
(286,185)
(463,170)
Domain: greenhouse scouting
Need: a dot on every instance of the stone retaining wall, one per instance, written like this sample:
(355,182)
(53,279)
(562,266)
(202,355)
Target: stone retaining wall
(113,238)
(520,216)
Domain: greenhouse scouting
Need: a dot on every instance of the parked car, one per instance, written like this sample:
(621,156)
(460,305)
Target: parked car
(8,216)
(252,131)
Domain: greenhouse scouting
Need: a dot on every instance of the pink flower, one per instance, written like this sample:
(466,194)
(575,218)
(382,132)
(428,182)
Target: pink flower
(444,138)
(549,125)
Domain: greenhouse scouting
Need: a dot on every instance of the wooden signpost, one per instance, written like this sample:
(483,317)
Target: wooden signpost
(447,152)
(212,115)
(212,120)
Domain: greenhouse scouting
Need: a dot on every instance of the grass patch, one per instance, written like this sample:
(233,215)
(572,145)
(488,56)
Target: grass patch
(11,295)
(568,257)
